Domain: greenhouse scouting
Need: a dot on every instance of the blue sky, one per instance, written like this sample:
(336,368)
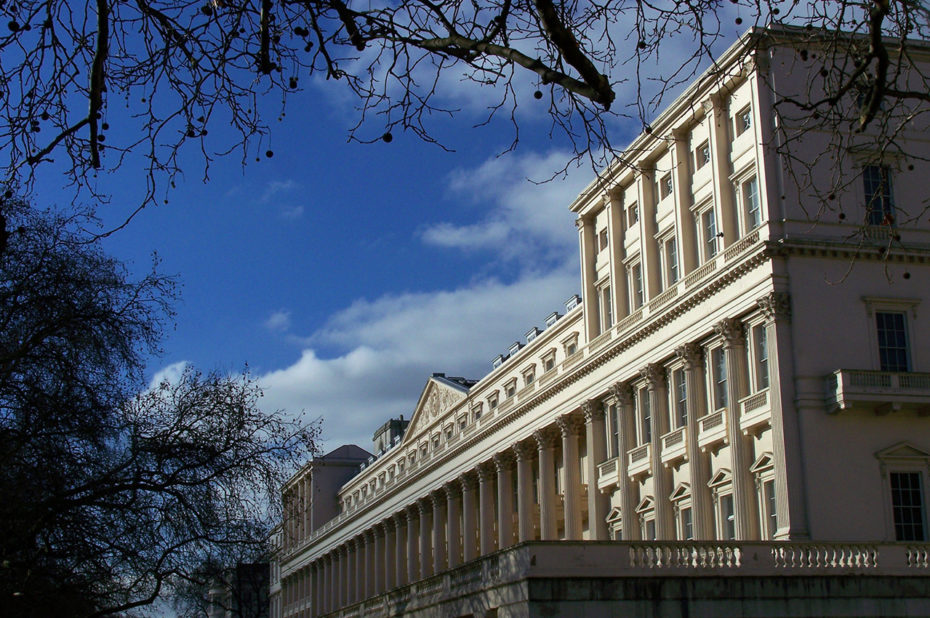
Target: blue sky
(343,274)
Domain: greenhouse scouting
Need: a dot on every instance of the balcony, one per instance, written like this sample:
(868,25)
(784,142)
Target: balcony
(607,474)
(755,411)
(640,460)
(674,446)
(712,429)
(878,391)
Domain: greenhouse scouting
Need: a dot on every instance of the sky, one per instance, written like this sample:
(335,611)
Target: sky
(343,274)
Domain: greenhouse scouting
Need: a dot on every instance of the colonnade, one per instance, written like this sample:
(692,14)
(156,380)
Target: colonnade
(516,496)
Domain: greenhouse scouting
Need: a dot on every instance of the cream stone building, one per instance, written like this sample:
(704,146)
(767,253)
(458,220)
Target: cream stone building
(742,394)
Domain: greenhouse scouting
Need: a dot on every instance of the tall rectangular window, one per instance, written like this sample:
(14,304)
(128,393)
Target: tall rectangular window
(671,258)
(605,306)
(892,341)
(727,518)
(645,416)
(636,282)
(665,186)
(709,226)
(719,371)
(879,199)
(771,521)
(701,155)
(687,524)
(681,396)
(751,205)
(907,505)
(613,417)
(761,349)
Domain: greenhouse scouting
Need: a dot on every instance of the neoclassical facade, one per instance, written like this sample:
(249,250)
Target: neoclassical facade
(743,370)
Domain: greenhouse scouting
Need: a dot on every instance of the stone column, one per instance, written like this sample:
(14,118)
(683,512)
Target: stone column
(469,524)
(661,477)
(613,202)
(339,578)
(377,566)
(744,495)
(487,541)
(790,505)
(400,549)
(546,439)
(624,395)
(370,561)
(720,159)
(570,428)
(587,242)
(426,535)
(413,544)
(355,575)
(702,521)
(438,500)
(525,505)
(503,462)
(326,604)
(453,529)
(390,556)
(596,442)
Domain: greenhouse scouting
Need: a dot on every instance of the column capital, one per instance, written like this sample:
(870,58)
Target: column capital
(438,498)
(486,472)
(592,409)
(503,461)
(381,529)
(546,437)
(654,374)
(400,518)
(425,506)
(469,480)
(369,536)
(623,392)
(691,353)
(569,425)
(452,488)
(524,450)
(413,513)
(775,306)
(731,330)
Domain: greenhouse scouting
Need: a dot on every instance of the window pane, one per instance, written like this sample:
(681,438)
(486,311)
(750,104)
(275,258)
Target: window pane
(671,250)
(681,397)
(646,415)
(879,203)
(710,233)
(687,527)
(719,359)
(751,202)
(614,417)
(892,341)
(908,507)
(762,357)
(727,517)
(768,494)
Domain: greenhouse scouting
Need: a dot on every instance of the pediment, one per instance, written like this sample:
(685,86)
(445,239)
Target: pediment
(721,478)
(764,462)
(438,397)
(614,515)
(903,451)
(682,491)
(647,503)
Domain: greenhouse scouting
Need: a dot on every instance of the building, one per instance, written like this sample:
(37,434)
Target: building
(737,412)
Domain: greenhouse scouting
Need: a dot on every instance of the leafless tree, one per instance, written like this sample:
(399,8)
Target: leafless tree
(96,85)
(113,492)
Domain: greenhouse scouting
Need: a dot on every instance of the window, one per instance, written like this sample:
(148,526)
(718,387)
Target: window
(462,423)
(529,375)
(649,530)
(907,506)
(645,416)
(706,222)
(636,286)
(548,361)
(752,209)
(727,516)
(701,155)
(510,389)
(605,308)
(686,524)
(879,200)
(632,215)
(665,186)
(492,401)
(570,345)
(613,420)
(892,341)
(743,121)
(602,240)
(760,357)
(476,412)
(680,393)
(718,360)
(671,260)
(770,511)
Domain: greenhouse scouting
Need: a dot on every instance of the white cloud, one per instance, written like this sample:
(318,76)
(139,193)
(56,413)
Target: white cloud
(275,188)
(529,220)
(170,374)
(278,321)
(392,344)
(292,212)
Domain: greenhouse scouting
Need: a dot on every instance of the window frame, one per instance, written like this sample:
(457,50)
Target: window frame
(570,345)
(885,215)
(701,155)
(636,290)
(904,458)
(907,306)
(763,470)
(717,375)
(757,350)
(742,120)
(666,186)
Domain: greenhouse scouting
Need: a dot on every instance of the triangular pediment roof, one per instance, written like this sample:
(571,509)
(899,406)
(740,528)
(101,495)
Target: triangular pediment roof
(722,477)
(764,462)
(682,491)
(903,451)
(438,396)
(647,503)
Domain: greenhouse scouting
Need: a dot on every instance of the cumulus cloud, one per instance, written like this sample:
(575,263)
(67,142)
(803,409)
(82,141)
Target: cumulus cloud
(528,220)
(170,374)
(278,321)
(392,344)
